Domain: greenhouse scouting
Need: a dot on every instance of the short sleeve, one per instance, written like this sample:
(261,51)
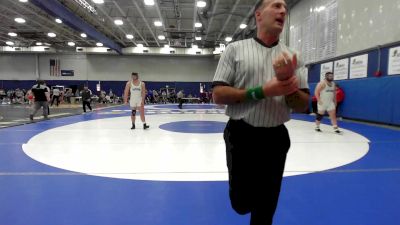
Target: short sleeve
(226,67)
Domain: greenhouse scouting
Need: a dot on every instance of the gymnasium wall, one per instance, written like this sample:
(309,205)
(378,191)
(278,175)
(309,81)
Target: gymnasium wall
(373,98)
(109,67)
(367,23)
(17,67)
(328,30)
(20,71)
(322,29)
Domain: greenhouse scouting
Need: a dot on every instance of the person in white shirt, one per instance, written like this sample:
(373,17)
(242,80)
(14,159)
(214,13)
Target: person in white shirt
(179,96)
(136,90)
(325,92)
(56,96)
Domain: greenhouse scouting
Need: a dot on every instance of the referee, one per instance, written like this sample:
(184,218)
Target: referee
(259,80)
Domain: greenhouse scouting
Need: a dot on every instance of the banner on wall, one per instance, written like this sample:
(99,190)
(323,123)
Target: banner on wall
(394,61)
(341,68)
(67,73)
(359,66)
(326,67)
(55,69)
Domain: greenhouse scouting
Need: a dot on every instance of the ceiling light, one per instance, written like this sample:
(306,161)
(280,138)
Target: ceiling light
(201,4)
(129,36)
(83,35)
(198,24)
(161,37)
(149,2)
(19,20)
(118,22)
(23,0)
(71,43)
(140,45)
(38,43)
(242,26)
(51,34)
(157,23)
(198,38)
(12,34)
(228,39)
(98,1)
(58,21)
(9,43)
(99,44)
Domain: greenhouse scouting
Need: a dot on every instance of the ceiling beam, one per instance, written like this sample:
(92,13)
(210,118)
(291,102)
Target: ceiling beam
(228,19)
(44,18)
(145,21)
(214,10)
(95,21)
(130,23)
(57,9)
(162,18)
(112,22)
(245,20)
(38,23)
(194,16)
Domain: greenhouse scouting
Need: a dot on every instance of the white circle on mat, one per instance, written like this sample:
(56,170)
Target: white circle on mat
(108,148)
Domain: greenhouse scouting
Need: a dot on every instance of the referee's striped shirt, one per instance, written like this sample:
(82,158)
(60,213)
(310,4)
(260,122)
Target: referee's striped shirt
(247,64)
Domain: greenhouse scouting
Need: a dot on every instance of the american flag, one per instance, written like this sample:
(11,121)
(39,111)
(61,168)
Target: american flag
(55,69)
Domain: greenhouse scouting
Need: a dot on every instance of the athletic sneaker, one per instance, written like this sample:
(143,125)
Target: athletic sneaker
(337,131)
(318,130)
(133,126)
(145,126)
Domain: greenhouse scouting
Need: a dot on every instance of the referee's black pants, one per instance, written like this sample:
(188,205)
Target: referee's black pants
(256,159)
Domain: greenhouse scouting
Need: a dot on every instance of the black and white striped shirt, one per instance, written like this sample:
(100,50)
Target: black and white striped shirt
(247,64)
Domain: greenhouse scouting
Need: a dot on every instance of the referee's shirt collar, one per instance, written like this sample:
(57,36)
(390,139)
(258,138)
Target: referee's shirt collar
(267,46)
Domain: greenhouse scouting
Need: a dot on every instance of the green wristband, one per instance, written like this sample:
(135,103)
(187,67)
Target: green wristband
(255,93)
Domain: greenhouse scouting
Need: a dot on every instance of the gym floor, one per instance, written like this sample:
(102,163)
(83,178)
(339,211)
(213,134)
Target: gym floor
(18,114)
(92,169)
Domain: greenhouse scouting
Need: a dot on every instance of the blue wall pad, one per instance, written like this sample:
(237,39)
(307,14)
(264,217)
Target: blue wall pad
(372,98)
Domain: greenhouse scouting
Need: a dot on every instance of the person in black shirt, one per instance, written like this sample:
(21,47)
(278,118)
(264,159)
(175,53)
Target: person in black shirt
(86,97)
(41,98)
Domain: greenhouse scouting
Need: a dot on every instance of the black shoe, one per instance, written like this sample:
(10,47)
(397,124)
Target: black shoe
(145,126)
(338,131)
(318,130)
(31,117)
(133,127)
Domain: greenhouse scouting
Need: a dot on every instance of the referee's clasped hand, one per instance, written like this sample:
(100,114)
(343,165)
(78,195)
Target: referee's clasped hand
(284,65)
(276,87)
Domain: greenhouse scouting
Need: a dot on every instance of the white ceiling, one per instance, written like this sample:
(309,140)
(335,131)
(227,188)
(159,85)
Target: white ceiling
(220,18)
